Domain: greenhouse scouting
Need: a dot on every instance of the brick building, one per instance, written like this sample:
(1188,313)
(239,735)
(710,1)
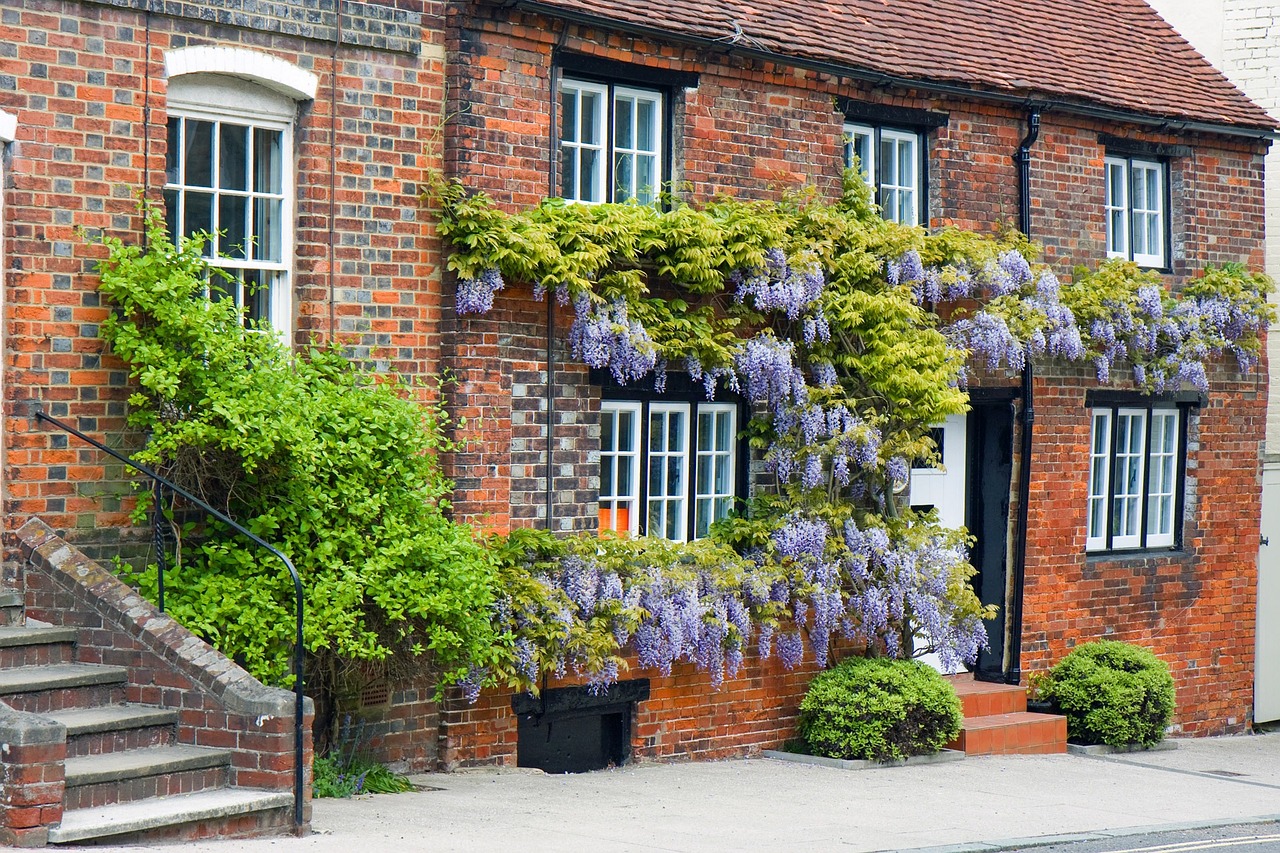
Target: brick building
(333,115)
(1140,150)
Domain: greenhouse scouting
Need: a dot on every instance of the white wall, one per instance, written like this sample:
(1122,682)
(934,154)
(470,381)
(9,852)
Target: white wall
(1199,21)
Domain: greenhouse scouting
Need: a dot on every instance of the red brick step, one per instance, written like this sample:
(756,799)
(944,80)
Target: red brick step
(996,721)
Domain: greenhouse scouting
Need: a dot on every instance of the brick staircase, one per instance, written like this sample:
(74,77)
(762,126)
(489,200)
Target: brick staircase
(996,721)
(119,724)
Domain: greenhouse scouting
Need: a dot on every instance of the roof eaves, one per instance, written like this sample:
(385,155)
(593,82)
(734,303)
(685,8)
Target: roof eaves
(1026,98)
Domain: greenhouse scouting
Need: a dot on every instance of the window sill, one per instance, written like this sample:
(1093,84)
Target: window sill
(1127,554)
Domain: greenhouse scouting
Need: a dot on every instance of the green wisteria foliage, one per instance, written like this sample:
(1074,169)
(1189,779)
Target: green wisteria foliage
(851,337)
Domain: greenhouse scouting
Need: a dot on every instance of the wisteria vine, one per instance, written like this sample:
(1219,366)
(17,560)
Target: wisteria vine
(849,337)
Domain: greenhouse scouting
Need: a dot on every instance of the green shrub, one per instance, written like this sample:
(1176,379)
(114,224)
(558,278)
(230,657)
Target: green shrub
(332,776)
(1112,693)
(879,709)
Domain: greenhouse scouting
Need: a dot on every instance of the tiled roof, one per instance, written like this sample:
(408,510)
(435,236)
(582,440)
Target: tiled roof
(1118,54)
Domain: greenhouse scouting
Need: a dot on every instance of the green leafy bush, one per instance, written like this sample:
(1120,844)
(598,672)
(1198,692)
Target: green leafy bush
(879,709)
(1112,693)
(334,777)
(333,464)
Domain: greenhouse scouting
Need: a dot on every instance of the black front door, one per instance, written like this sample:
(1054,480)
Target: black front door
(990,472)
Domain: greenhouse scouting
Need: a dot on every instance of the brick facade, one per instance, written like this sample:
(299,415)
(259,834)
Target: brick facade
(752,129)
(86,84)
(407,87)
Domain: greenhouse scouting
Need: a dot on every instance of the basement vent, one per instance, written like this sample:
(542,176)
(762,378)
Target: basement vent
(375,694)
(569,730)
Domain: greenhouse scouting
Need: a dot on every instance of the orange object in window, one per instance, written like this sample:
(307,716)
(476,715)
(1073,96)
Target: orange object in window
(616,522)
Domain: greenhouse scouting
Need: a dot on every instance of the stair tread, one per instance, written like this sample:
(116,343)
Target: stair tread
(11,598)
(967,684)
(157,813)
(1013,718)
(110,718)
(33,635)
(27,679)
(133,763)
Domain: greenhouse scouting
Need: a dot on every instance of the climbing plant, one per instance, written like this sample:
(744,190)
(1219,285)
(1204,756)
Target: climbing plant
(850,336)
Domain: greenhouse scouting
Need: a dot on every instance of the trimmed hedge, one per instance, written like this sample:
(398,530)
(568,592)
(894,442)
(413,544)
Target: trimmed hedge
(879,709)
(1112,693)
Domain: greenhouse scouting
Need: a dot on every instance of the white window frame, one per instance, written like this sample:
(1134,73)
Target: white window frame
(883,176)
(574,148)
(1123,216)
(619,456)
(604,182)
(706,491)
(665,502)
(852,133)
(1146,516)
(223,99)
(635,152)
(642,458)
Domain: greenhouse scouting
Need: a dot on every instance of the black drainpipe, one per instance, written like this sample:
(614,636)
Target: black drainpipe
(550,296)
(1013,672)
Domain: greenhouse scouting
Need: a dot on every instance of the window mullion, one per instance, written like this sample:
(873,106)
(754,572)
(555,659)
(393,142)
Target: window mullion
(1145,491)
(1111,476)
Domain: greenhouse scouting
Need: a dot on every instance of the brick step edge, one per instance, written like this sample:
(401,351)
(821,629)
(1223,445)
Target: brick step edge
(941,757)
(149,815)
(1018,733)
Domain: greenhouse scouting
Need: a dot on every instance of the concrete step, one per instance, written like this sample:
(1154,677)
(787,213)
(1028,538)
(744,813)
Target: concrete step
(135,774)
(185,816)
(1017,733)
(114,728)
(41,689)
(12,609)
(983,698)
(30,645)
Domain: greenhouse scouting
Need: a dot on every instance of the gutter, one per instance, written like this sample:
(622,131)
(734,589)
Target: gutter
(882,79)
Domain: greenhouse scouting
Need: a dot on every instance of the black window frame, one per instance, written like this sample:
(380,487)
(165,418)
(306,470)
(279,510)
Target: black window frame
(680,388)
(879,118)
(613,75)
(1184,404)
(1130,151)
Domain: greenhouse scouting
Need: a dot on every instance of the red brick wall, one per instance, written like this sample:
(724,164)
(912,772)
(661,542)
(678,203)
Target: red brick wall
(683,718)
(1193,608)
(750,130)
(90,102)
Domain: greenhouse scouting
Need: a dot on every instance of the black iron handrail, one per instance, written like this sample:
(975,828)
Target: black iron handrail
(162,482)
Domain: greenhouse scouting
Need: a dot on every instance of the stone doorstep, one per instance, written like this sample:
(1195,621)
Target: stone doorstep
(33,679)
(12,636)
(1017,733)
(111,718)
(942,757)
(1104,749)
(983,698)
(11,598)
(134,763)
(147,815)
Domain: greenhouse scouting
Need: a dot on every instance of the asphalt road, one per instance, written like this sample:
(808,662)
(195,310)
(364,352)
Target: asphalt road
(1252,838)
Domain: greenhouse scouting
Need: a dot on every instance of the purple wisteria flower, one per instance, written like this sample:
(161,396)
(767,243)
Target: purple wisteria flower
(475,295)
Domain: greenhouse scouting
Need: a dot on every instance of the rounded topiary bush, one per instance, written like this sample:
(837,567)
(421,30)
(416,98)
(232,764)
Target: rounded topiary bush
(879,709)
(1112,693)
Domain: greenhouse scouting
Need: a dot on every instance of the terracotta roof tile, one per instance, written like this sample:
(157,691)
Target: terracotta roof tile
(1114,53)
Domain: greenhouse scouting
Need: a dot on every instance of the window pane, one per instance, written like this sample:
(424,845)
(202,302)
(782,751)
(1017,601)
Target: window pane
(199,214)
(233,214)
(607,420)
(646,125)
(198,154)
(906,163)
(172,157)
(623,122)
(266,229)
(646,178)
(626,432)
(622,174)
(268,175)
(257,292)
(568,172)
(569,115)
(588,133)
(171,214)
(724,432)
(587,179)
(233,153)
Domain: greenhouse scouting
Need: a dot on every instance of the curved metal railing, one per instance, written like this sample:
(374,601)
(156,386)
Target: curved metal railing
(161,482)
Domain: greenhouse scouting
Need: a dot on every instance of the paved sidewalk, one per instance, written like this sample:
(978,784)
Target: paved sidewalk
(766,805)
